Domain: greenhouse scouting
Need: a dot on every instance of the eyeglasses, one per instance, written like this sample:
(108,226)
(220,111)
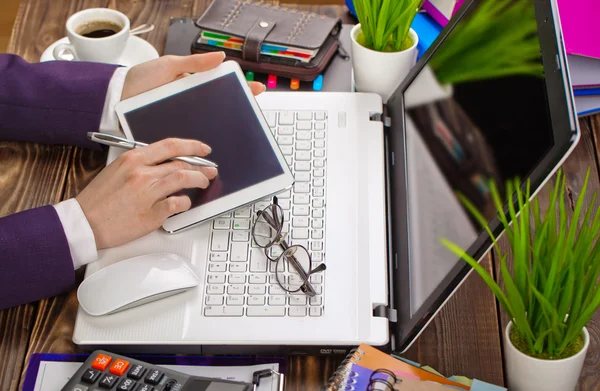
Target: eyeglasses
(292,263)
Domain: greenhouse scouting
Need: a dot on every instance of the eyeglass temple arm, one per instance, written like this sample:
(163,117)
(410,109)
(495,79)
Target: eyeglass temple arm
(299,269)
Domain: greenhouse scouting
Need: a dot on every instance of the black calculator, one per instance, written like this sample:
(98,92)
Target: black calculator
(104,371)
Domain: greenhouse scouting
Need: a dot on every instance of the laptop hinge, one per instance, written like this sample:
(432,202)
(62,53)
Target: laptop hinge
(382,117)
(387,121)
(383,311)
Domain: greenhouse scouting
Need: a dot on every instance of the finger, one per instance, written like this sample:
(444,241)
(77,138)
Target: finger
(257,87)
(196,62)
(169,148)
(154,73)
(172,205)
(183,75)
(179,180)
(162,170)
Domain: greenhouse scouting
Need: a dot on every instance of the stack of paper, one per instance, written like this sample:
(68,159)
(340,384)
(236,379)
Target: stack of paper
(585,78)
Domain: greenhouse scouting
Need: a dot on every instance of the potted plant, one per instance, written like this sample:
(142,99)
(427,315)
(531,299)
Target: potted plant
(552,291)
(384,47)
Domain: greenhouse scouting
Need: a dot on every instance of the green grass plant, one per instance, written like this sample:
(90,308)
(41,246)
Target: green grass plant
(553,290)
(385,24)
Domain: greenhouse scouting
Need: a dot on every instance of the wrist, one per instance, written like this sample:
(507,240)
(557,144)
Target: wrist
(109,122)
(79,234)
(94,222)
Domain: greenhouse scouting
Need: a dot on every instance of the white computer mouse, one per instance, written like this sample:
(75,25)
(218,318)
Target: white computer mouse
(135,281)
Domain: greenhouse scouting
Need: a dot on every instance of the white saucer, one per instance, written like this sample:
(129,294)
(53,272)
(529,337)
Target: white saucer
(136,52)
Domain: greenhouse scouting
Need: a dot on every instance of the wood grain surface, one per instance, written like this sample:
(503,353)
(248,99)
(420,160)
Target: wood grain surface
(464,339)
(8,11)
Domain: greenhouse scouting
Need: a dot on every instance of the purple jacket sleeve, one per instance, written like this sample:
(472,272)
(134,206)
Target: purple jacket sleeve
(35,261)
(55,102)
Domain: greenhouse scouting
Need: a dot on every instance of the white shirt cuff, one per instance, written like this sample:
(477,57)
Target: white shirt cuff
(109,122)
(80,236)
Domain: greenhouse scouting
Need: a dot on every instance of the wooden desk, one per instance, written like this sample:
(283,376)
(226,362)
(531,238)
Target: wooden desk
(464,339)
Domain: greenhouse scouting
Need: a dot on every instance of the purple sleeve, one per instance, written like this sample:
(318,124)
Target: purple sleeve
(54,102)
(35,260)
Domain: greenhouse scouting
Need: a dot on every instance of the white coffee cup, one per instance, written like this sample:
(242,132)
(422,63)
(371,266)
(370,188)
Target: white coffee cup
(106,49)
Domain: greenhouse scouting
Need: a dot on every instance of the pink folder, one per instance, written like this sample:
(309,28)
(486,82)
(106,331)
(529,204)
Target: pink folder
(580,20)
(442,10)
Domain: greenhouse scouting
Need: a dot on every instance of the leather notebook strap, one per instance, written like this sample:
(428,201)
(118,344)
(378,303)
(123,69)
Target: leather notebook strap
(255,38)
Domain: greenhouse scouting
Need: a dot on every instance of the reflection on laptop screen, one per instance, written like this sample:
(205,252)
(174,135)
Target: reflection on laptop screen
(476,112)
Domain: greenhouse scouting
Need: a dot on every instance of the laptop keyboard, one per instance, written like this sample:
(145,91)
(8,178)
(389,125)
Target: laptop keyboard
(240,279)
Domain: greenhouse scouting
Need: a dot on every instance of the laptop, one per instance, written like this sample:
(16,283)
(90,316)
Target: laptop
(374,193)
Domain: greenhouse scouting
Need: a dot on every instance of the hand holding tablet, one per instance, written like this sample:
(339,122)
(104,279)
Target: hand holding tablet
(217,107)
(127,199)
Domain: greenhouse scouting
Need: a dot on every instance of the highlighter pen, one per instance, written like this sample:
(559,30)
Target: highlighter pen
(114,141)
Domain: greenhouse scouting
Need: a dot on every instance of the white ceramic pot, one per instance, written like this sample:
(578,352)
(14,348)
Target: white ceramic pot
(525,373)
(381,72)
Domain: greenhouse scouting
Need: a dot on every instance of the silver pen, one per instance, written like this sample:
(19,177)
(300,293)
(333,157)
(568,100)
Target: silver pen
(114,141)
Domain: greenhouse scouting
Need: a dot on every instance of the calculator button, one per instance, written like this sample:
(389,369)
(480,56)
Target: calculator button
(101,362)
(126,385)
(136,372)
(119,367)
(79,387)
(108,381)
(170,385)
(145,387)
(154,377)
(90,376)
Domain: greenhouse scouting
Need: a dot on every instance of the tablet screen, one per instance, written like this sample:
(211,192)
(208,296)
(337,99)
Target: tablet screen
(219,114)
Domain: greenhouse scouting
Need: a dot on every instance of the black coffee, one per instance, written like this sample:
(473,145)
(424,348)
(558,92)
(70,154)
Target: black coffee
(98,29)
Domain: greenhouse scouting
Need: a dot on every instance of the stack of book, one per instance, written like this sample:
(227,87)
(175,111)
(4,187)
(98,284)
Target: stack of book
(581,29)
(367,368)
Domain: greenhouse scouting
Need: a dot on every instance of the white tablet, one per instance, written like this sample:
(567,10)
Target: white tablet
(218,108)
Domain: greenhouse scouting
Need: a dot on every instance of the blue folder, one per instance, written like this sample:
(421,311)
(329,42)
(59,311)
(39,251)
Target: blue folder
(427,29)
(204,361)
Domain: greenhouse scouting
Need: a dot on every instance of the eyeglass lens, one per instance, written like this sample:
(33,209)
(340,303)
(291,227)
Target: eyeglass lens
(292,268)
(268,226)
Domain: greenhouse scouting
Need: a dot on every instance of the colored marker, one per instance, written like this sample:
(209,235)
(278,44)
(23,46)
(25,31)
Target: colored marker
(295,84)
(318,83)
(272,81)
(250,76)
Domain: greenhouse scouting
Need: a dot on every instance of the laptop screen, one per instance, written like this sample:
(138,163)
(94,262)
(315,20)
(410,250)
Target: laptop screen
(476,110)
